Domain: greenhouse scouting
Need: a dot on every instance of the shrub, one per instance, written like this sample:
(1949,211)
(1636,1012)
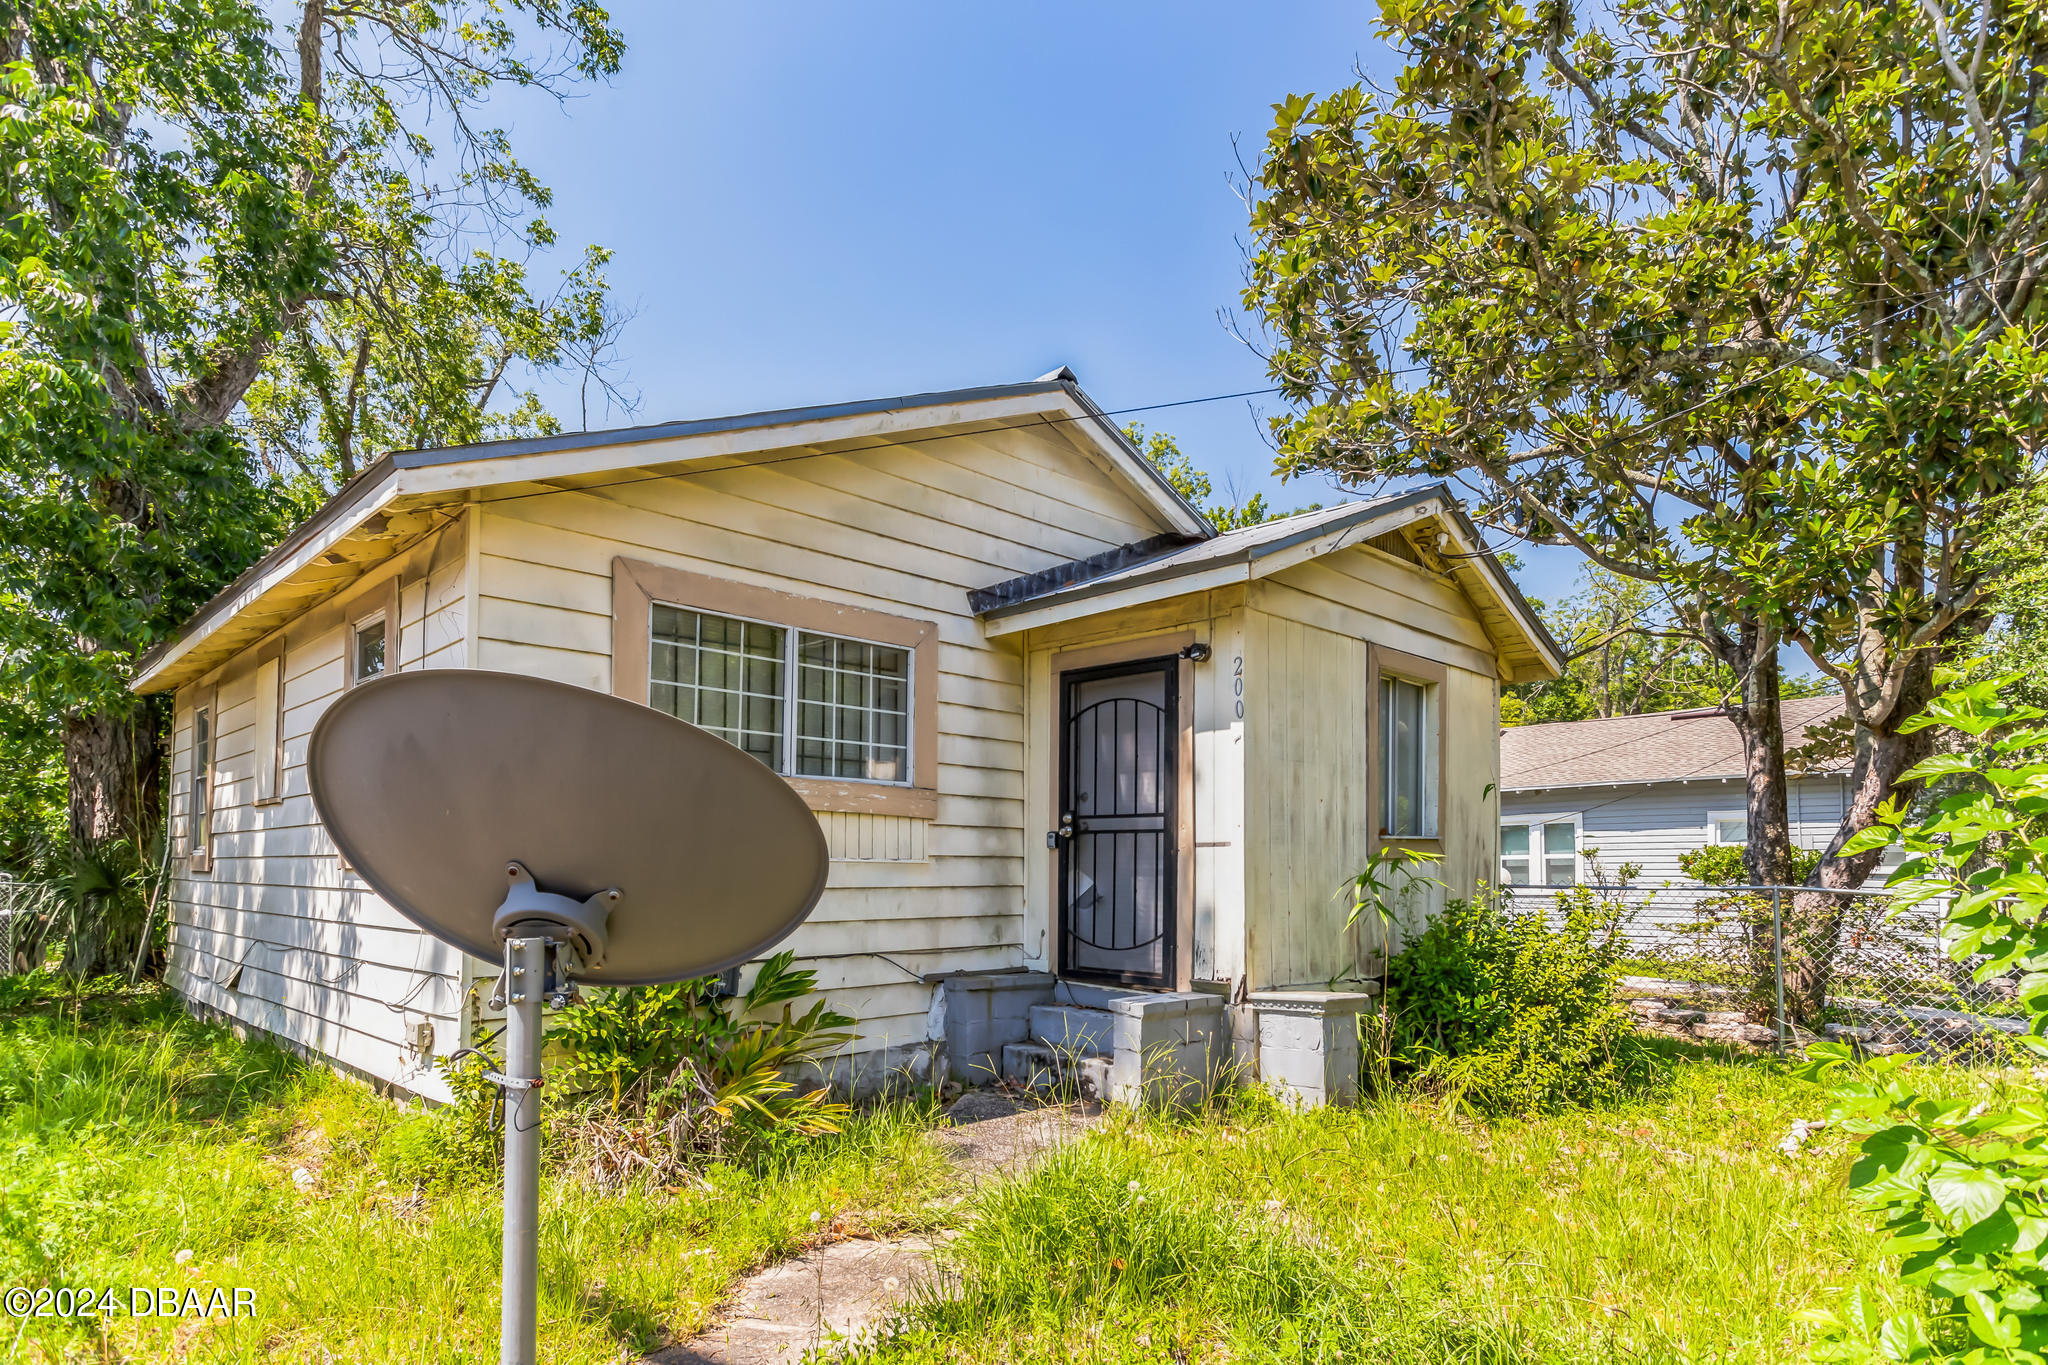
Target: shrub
(1960,1185)
(1722,865)
(661,1074)
(1502,1014)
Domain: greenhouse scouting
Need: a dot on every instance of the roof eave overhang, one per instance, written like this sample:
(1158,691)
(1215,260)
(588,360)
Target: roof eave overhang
(1136,588)
(1508,790)
(450,473)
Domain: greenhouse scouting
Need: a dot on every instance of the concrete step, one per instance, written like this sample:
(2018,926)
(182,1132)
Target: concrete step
(1056,1071)
(1088,997)
(1073,1028)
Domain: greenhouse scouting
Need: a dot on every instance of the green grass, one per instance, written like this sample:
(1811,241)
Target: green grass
(1672,1231)
(130,1133)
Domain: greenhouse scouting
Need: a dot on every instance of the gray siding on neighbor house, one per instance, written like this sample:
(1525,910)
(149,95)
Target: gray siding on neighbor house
(1651,824)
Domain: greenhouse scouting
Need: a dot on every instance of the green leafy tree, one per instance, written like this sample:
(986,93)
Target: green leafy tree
(1626,656)
(1191,482)
(1735,300)
(194,199)
(1961,1183)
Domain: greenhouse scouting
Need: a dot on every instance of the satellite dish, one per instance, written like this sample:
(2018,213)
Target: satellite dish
(574,836)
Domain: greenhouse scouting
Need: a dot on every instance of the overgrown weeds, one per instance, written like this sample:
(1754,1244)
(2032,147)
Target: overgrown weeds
(139,1146)
(1674,1226)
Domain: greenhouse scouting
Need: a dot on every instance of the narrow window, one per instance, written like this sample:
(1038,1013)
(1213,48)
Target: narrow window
(366,654)
(1514,855)
(269,731)
(1407,763)
(722,673)
(1560,853)
(852,709)
(201,830)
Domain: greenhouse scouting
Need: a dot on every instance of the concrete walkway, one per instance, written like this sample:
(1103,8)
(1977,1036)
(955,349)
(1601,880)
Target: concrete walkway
(847,1290)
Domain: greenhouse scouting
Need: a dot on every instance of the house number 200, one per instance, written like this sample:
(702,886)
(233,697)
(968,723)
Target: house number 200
(1237,683)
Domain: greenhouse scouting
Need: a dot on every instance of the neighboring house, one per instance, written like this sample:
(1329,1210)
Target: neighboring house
(1644,789)
(1084,765)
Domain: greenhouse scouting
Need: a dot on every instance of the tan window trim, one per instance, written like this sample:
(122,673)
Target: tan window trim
(1414,668)
(198,827)
(269,654)
(638,585)
(381,600)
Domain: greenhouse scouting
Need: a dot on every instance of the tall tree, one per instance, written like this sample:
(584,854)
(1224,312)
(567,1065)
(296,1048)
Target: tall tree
(1735,300)
(1627,654)
(188,189)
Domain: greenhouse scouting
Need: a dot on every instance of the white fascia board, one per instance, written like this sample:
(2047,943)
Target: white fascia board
(1074,609)
(1341,538)
(360,509)
(1488,568)
(663,451)
(1144,482)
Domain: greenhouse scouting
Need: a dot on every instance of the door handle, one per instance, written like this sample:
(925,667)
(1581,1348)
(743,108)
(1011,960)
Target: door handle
(1065,831)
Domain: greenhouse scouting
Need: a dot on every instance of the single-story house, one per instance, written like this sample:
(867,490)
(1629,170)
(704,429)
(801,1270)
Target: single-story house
(1092,774)
(1644,789)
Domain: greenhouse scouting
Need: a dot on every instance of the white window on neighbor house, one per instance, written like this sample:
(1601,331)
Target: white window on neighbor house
(1728,827)
(1540,852)
(848,710)
(1407,758)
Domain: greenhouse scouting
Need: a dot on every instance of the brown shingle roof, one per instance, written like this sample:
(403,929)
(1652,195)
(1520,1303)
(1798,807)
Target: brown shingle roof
(1662,747)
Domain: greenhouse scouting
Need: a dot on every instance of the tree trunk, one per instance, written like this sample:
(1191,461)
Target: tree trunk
(1767,856)
(115,763)
(1760,721)
(1882,753)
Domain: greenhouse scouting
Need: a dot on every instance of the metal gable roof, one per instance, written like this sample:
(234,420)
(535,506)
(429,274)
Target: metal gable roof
(400,478)
(1165,563)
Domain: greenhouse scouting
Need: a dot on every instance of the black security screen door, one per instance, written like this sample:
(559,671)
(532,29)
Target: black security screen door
(1119,741)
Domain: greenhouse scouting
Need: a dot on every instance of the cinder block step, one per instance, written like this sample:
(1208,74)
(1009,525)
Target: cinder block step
(1038,1067)
(1073,1028)
(1087,996)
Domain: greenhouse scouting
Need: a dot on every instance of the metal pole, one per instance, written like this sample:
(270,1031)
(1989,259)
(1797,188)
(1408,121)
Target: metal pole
(525,978)
(1778,958)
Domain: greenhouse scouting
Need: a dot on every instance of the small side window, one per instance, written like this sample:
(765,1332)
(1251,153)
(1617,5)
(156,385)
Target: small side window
(200,826)
(366,649)
(1407,759)
(1728,827)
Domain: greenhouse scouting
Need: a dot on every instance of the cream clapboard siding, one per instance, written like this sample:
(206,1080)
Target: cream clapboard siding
(907,530)
(277,935)
(1306,797)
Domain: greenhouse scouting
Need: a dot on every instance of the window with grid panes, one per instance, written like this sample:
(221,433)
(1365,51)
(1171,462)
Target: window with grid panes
(845,703)
(722,673)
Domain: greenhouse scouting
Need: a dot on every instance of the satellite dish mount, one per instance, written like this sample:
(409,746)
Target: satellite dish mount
(706,859)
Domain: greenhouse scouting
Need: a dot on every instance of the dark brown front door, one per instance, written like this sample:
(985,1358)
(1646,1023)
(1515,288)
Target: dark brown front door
(1119,743)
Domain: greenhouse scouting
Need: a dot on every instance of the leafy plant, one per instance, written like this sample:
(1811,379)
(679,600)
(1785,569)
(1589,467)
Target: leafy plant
(1500,1013)
(1962,1186)
(664,1073)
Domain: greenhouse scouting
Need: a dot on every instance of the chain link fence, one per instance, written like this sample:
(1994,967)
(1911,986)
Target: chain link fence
(12,910)
(1780,966)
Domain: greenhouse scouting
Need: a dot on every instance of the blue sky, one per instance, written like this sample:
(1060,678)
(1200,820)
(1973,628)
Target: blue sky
(812,202)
